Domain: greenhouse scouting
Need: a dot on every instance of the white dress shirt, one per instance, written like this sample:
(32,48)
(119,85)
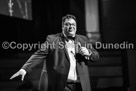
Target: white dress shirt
(70,46)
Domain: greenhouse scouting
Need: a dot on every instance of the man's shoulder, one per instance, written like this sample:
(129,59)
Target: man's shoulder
(53,37)
(83,37)
(79,35)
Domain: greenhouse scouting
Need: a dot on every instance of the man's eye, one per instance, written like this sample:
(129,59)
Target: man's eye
(67,24)
(73,24)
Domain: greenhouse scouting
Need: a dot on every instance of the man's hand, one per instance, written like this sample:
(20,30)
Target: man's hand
(84,51)
(21,72)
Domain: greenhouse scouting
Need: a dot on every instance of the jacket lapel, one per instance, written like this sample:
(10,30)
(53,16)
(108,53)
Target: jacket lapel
(66,52)
(62,39)
(77,44)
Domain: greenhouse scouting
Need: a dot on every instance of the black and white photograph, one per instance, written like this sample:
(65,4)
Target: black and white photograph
(68,45)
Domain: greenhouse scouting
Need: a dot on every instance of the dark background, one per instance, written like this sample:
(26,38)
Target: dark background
(115,71)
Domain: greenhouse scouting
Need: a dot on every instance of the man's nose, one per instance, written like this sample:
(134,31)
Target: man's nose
(70,27)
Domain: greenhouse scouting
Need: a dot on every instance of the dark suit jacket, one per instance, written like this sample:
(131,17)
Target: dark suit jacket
(56,63)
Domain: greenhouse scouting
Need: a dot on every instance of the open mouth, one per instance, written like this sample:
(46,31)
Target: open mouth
(70,30)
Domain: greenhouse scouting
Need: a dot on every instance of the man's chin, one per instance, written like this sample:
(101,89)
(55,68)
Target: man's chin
(71,34)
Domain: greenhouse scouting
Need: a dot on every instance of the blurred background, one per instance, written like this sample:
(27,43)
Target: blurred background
(106,21)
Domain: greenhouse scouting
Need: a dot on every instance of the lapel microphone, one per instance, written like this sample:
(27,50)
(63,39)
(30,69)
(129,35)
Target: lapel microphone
(72,52)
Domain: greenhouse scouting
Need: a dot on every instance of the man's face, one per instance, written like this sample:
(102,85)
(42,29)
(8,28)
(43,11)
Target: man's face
(69,27)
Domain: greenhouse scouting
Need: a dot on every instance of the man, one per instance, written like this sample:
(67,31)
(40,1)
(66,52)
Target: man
(65,59)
